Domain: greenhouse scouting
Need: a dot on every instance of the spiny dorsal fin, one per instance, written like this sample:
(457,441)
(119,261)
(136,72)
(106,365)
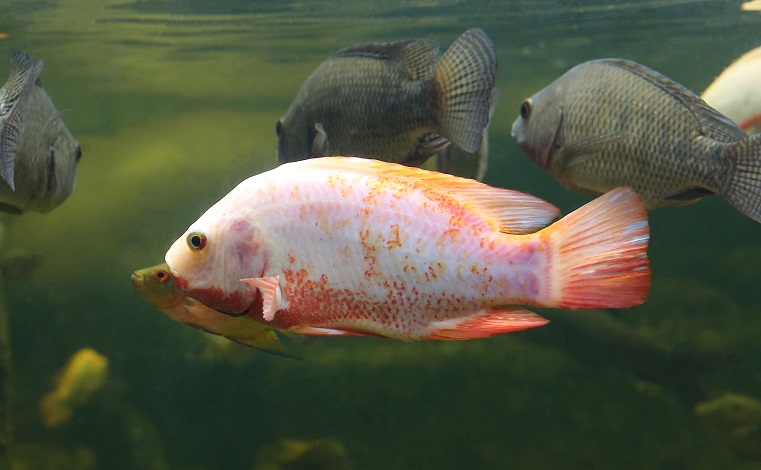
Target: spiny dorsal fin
(510,211)
(713,124)
(416,56)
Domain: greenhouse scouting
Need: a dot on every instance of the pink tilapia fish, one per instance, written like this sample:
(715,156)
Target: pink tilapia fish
(736,93)
(349,246)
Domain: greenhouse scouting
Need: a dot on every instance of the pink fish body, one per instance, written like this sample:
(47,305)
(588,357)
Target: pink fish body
(350,246)
(736,93)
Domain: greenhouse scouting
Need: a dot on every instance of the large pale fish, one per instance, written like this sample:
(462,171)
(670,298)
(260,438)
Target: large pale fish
(397,102)
(736,93)
(38,155)
(611,122)
(158,288)
(350,246)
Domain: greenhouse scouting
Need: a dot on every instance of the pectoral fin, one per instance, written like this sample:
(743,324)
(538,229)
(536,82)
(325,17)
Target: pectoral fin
(428,145)
(585,149)
(272,296)
(320,144)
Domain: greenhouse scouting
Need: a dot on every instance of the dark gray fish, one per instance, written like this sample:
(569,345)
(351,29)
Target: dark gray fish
(611,122)
(38,154)
(396,102)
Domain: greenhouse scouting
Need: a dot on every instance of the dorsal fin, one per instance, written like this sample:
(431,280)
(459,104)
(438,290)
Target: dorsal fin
(417,57)
(23,76)
(511,211)
(712,123)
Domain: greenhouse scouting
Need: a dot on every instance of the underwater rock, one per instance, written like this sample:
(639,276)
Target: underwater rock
(292,454)
(32,456)
(736,419)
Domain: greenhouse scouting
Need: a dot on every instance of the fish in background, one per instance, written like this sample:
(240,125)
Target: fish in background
(156,285)
(612,122)
(398,102)
(736,93)
(83,375)
(38,155)
(357,247)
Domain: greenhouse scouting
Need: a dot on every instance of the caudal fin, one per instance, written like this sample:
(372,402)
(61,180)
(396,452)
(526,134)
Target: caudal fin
(54,410)
(600,254)
(743,189)
(465,77)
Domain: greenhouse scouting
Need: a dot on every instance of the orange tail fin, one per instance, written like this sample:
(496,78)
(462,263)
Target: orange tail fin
(600,254)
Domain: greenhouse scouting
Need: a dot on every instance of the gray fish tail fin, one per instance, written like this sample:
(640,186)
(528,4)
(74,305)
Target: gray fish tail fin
(464,79)
(743,188)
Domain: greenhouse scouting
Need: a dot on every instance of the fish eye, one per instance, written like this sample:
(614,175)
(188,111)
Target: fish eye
(196,241)
(279,128)
(162,275)
(526,109)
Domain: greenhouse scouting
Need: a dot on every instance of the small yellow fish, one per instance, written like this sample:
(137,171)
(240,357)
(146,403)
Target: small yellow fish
(352,246)
(83,375)
(158,288)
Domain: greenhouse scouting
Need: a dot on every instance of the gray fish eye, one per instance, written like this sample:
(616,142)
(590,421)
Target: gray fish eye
(525,109)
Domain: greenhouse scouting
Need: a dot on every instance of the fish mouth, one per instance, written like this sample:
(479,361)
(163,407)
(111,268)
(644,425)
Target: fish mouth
(138,280)
(546,160)
(10,209)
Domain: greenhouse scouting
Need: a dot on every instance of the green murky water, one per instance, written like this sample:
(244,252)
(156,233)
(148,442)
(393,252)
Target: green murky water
(174,102)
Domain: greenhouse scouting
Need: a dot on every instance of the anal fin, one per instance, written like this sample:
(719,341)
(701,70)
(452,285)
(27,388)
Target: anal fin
(318,331)
(485,324)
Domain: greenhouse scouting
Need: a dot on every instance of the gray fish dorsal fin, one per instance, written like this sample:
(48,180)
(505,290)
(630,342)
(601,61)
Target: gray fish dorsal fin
(713,124)
(23,76)
(417,56)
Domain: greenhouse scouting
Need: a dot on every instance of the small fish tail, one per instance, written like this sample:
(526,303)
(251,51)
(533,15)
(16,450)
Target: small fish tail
(464,79)
(743,188)
(54,410)
(599,255)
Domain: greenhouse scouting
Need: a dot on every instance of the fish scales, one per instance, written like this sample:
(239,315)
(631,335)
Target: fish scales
(351,246)
(598,107)
(364,86)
